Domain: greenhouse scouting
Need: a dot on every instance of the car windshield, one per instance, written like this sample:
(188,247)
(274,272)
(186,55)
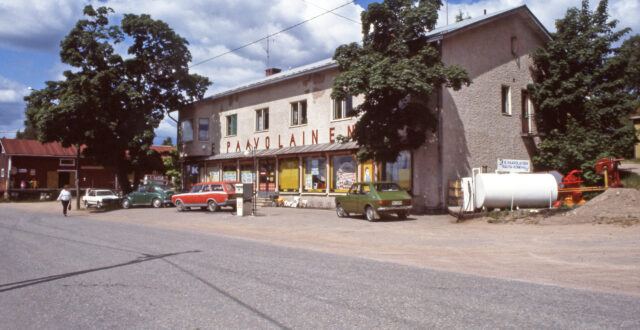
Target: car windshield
(387,187)
(104,193)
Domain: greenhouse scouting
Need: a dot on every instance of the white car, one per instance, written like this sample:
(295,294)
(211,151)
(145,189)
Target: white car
(100,198)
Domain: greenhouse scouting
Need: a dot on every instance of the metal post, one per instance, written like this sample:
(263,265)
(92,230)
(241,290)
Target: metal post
(255,183)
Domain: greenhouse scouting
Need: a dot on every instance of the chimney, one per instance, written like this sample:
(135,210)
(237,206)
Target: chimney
(485,11)
(271,71)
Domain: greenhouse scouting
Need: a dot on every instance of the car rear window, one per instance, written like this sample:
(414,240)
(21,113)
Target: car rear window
(387,187)
(196,188)
(104,193)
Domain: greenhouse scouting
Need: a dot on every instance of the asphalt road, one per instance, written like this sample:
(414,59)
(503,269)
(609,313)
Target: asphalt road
(79,272)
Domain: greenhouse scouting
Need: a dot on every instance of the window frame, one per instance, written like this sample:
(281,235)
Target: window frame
(61,162)
(332,176)
(181,131)
(505,100)
(229,131)
(321,169)
(264,117)
(344,113)
(298,109)
(200,120)
(527,112)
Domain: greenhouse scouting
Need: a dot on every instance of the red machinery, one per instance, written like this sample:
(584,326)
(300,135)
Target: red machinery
(609,168)
(570,192)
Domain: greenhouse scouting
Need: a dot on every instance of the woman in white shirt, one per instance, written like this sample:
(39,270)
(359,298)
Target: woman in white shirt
(65,198)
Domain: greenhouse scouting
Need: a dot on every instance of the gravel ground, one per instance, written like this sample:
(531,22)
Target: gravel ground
(601,257)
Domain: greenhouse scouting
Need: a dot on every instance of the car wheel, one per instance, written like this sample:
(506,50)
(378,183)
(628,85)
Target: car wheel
(341,212)
(156,202)
(370,213)
(99,204)
(179,206)
(212,206)
(85,204)
(126,204)
(402,215)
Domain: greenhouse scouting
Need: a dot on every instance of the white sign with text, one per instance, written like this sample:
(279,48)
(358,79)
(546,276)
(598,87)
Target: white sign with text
(513,165)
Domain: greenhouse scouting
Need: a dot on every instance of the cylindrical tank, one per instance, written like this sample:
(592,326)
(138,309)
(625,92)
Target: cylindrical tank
(493,190)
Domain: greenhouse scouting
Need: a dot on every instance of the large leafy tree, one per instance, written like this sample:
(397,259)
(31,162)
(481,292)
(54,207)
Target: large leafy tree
(398,71)
(113,104)
(578,91)
(629,55)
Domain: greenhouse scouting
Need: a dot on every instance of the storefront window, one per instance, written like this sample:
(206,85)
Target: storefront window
(192,174)
(267,175)
(400,170)
(288,175)
(246,173)
(213,173)
(314,179)
(229,173)
(343,172)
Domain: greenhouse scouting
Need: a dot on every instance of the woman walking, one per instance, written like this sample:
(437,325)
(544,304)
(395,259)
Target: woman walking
(65,198)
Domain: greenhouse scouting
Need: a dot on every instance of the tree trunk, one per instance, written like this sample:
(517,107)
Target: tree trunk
(136,179)
(123,179)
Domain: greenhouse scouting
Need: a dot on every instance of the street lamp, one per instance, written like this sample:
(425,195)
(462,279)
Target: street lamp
(252,152)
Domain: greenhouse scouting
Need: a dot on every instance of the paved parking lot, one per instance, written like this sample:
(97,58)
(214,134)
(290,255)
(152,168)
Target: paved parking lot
(584,256)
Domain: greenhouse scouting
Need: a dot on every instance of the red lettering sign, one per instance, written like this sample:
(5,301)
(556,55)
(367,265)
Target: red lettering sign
(302,138)
(314,137)
(279,144)
(255,143)
(228,146)
(267,142)
(238,149)
(248,147)
(331,134)
(350,129)
(292,141)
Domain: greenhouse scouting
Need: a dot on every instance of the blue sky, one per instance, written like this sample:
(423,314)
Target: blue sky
(31,30)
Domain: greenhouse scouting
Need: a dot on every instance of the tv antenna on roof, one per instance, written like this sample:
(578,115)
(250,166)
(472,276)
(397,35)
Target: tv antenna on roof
(270,39)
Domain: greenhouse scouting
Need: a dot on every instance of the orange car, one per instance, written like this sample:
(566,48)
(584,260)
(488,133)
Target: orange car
(207,195)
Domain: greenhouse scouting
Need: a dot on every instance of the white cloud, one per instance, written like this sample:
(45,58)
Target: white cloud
(11,106)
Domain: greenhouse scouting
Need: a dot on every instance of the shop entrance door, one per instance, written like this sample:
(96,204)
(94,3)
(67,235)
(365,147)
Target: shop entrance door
(267,172)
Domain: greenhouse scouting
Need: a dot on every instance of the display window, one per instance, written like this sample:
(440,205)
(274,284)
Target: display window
(213,173)
(343,172)
(229,173)
(267,178)
(314,174)
(366,171)
(246,173)
(400,170)
(193,174)
(288,175)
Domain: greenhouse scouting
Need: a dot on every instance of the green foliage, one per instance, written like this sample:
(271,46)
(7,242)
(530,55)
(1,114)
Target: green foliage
(29,132)
(460,16)
(168,141)
(629,54)
(578,93)
(397,71)
(111,104)
(172,167)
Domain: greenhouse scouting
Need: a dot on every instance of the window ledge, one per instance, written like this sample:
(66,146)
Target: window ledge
(507,114)
(230,136)
(262,131)
(301,125)
(341,119)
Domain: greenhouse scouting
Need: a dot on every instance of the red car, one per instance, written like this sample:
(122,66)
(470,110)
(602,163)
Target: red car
(209,195)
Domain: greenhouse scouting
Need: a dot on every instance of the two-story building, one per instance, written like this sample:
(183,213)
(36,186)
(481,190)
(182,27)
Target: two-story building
(280,131)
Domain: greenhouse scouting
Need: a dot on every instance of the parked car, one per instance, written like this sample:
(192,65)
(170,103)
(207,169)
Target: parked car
(153,194)
(100,198)
(374,199)
(209,195)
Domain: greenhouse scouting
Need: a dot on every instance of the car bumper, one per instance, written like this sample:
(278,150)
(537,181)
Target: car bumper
(399,208)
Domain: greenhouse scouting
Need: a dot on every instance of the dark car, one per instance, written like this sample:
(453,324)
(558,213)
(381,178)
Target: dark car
(153,194)
(374,199)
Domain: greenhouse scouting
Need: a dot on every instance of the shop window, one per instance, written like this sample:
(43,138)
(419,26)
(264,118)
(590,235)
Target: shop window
(314,178)
(288,175)
(343,108)
(203,129)
(193,174)
(506,100)
(400,170)
(185,133)
(267,175)
(232,125)
(262,120)
(213,173)
(298,113)
(229,173)
(246,174)
(343,172)
(366,174)
(67,162)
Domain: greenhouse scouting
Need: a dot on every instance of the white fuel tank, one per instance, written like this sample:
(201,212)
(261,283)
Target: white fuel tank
(493,190)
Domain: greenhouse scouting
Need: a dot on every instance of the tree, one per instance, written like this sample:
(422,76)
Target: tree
(578,93)
(172,167)
(29,132)
(629,55)
(460,16)
(110,104)
(398,71)
(168,141)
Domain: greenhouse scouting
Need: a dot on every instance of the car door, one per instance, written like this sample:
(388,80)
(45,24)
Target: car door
(364,197)
(137,196)
(204,194)
(218,193)
(349,202)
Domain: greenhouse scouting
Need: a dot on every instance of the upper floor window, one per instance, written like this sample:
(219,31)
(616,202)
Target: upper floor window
(299,113)
(203,129)
(506,100)
(186,131)
(262,119)
(343,108)
(67,162)
(527,113)
(232,125)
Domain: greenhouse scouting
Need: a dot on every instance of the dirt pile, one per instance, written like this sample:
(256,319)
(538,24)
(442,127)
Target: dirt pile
(615,205)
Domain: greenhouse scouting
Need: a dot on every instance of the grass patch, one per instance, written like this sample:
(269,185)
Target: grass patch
(630,179)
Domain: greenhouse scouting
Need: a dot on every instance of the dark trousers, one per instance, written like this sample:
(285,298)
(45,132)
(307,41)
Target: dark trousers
(65,206)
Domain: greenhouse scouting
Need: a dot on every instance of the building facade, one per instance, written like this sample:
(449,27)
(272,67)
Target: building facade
(281,132)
